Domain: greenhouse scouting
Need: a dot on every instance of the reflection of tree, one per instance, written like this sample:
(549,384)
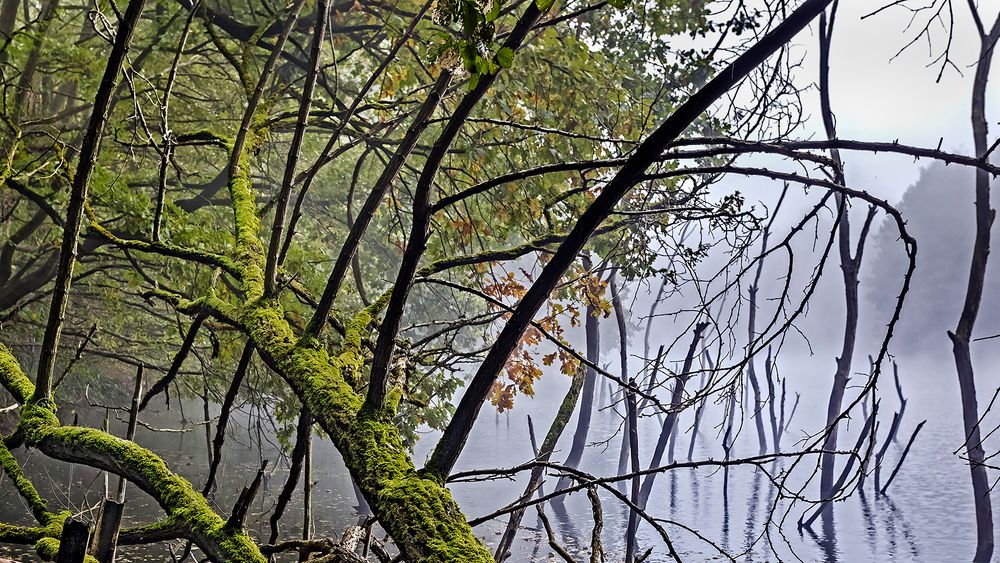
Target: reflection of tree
(938,212)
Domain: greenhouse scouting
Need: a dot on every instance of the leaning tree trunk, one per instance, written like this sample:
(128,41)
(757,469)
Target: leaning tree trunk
(962,336)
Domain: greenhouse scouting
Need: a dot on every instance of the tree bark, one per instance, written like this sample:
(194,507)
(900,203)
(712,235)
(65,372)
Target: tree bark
(78,197)
(962,335)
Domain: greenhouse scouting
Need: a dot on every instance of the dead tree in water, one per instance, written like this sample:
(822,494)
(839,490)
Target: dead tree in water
(704,359)
(850,265)
(758,407)
(593,336)
(902,456)
(962,335)
(631,415)
(675,407)
(897,419)
(616,301)
(772,398)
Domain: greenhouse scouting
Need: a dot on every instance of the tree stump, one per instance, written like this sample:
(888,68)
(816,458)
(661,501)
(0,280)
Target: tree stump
(73,544)
(104,543)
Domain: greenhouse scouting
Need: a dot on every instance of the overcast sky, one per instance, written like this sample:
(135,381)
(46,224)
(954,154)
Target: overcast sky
(878,97)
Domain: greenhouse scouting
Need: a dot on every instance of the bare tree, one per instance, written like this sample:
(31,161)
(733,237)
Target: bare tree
(962,335)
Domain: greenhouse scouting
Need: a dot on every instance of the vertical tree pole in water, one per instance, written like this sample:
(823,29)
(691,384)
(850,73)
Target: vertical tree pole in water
(849,266)
(616,301)
(974,295)
(593,335)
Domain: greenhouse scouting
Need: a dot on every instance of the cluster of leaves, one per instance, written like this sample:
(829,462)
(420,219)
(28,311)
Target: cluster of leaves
(472,38)
(522,369)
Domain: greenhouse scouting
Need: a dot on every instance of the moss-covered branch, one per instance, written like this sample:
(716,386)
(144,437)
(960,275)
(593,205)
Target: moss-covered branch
(22,535)
(94,448)
(419,513)
(12,378)
(163,249)
(44,539)
(208,305)
(249,249)
(24,487)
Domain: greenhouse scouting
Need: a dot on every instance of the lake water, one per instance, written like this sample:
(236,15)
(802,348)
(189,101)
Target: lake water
(926,515)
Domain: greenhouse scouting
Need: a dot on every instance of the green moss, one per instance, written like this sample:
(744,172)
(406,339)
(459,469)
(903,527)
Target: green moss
(48,550)
(409,506)
(36,418)
(392,399)
(419,513)
(324,381)
(24,535)
(249,249)
(356,328)
(12,378)
(23,485)
(54,527)
(45,540)
(142,467)
(205,135)
(151,474)
(209,303)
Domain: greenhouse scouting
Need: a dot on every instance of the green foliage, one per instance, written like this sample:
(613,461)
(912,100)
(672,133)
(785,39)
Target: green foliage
(579,91)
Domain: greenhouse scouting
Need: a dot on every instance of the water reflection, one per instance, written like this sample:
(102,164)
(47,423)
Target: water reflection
(753,512)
